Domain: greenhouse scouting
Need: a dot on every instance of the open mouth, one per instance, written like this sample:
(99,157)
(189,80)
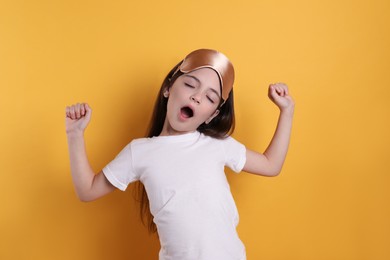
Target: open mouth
(187,112)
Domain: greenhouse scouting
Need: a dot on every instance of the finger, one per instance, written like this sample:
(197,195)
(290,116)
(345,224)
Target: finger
(88,109)
(274,93)
(67,113)
(82,109)
(72,112)
(271,90)
(282,91)
(273,87)
(77,110)
(279,90)
(285,88)
(88,112)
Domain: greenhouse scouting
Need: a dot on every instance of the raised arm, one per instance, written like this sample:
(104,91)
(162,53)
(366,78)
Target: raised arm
(89,186)
(271,161)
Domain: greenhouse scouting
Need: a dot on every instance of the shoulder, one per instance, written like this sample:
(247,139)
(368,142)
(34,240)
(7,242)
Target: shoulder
(140,141)
(133,145)
(226,140)
(147,144)
(227,143)
(234,153)
(231,143)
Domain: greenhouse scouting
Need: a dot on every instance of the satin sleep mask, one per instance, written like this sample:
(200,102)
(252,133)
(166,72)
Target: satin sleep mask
(206,58)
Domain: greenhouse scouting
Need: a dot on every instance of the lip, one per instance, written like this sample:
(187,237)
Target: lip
(182,117)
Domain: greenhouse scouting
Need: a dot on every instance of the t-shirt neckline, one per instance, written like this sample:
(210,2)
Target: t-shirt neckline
(177,138)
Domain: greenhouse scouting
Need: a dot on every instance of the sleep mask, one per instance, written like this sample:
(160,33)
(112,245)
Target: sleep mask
(206,58)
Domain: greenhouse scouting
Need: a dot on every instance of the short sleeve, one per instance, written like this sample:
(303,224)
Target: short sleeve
(119,171)
(235,154)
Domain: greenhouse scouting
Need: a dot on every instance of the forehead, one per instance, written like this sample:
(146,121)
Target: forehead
(207,77)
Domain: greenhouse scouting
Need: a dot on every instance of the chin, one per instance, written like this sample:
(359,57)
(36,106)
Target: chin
(182,129)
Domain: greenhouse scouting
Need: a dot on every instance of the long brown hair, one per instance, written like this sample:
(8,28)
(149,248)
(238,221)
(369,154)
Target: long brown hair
(220,127)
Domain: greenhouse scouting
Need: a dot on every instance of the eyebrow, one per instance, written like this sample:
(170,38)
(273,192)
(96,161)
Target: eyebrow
(195,78)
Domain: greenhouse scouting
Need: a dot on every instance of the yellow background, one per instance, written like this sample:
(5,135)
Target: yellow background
(331,200)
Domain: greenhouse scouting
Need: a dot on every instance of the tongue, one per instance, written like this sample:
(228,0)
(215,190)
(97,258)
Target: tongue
(186,112)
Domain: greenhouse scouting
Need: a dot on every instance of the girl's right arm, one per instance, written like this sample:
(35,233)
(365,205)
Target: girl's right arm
(89,186)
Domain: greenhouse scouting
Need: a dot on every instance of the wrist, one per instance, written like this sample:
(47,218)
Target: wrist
(288,111)
(75,134)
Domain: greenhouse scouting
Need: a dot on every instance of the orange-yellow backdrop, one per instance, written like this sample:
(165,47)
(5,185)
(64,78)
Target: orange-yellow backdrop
(331,200)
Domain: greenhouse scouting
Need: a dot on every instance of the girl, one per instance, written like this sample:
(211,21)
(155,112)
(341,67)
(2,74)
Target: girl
(181,163)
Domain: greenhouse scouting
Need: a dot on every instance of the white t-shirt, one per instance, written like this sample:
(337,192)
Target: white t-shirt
(188,192)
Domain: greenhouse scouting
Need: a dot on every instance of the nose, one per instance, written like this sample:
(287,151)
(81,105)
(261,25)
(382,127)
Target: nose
(195,98)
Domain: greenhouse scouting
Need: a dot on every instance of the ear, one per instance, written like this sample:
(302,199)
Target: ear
(212,117)
(166,93)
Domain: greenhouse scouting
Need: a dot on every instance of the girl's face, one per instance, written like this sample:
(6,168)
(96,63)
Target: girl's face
(192,100)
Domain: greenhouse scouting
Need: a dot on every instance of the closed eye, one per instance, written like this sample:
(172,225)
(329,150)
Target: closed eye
(188,85)
(210,99)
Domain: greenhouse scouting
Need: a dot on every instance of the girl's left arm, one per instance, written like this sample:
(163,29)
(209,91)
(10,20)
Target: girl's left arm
(271,161)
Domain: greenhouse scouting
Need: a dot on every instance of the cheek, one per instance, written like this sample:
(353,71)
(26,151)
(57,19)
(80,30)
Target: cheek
(209,112)
(213,107)
(170,105)
(177,94)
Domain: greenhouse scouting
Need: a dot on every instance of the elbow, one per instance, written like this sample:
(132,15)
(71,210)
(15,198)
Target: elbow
(84,197)
(268,173)
(274,172)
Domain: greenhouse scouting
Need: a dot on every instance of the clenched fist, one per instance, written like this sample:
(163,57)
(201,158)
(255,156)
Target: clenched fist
(278,93)
(77,118)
